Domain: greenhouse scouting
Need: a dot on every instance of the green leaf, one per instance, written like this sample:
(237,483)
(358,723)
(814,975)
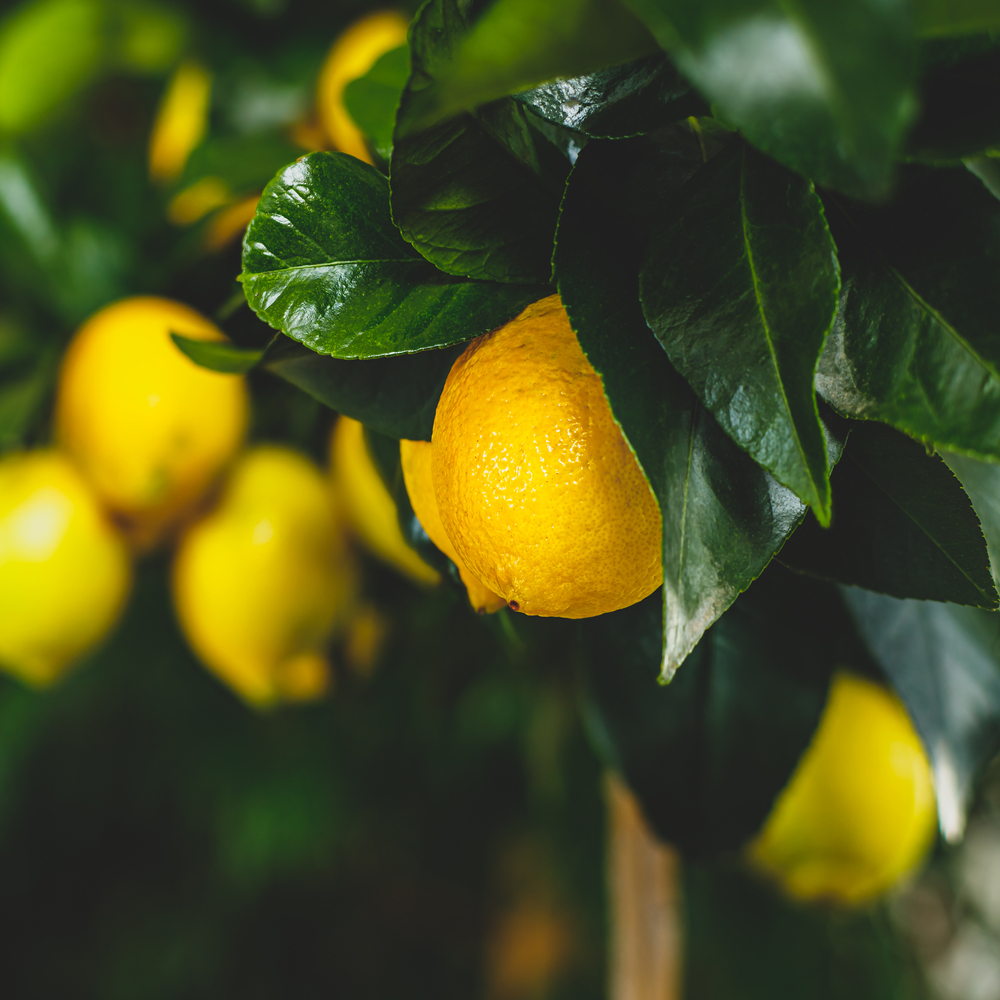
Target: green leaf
(956,17)
(824,88)
(323,263)
(740,286)
(243,162)
(942,659)
(723,516)
(981,480)
(219,356)
(916,344)
(514,45)
(372,100)
(903,526)
(959,109)
(632,99)
(708,754)
(395,396)
(48,51)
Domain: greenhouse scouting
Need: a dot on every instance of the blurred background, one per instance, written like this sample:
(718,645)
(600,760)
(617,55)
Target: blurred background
(433,825)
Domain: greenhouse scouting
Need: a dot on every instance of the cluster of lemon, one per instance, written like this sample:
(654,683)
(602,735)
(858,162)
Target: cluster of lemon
(150,449)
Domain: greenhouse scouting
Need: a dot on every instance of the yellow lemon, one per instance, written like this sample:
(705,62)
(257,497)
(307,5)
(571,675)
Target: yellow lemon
(859,811)
(416,460)
(262,582)
(181,121)
(64,571)
(370,508)
(149,428)
(352,55)
(537,489)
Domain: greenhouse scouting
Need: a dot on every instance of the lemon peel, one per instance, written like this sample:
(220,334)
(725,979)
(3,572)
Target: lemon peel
(859,811)
(537,488)
(416,460)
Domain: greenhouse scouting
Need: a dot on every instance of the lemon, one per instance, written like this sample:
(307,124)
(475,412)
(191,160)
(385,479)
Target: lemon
(261,583)
(64,571)
(181,121)
(352,55)
(149,428)
(859,812)
(537,489)
(416,460)
(369,507)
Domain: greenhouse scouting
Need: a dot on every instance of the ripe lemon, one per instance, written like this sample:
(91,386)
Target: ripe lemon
(181,121)
(149,428)
(416,460)
(370,509)
(352,55)
(64,571)
(859,811)
(261,583)
(537,489)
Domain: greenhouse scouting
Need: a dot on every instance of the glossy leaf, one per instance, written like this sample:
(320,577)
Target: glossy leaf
(981,481)
(723,516)
(916,343)
(956,17)
(942,659)
(620,101)
(219,356)
(824,88)
(959,109)
(323,263)
(396,396)
(902,525)
(740,286)
(372,100)
(708,754)
(517,44)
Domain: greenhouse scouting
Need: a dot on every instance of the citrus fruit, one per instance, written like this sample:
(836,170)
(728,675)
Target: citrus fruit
(181,121)
(261,582)
(149,428)
(64,571)
(369,507)
(352,55)
(859,811)
(416,460)
(537,489)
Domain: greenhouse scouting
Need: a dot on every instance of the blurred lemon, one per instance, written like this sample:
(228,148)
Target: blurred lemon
(262,582)
(859,812)
(352,55)
(370,509)
(416,461)
(149,428)
(181,121)
(64,571)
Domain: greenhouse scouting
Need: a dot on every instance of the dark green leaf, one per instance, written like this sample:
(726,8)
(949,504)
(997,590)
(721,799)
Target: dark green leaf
(942,659)
(372,100)
(981,480)
(902,525)
(242,162)
(708,754)
(219,356)
(620,101)
(740,286)
(323,263)
(517,44)
(723,516)
(916,343)
(956,17)
(396,396)
(959,109)
(825,88)
(469,203)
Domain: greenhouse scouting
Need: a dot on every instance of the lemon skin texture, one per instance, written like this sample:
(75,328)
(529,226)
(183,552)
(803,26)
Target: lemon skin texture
(64,571)
(354,53)
(262,582)
(369,507)
(537,489)
(859,812)
(149,428)
(416,460)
